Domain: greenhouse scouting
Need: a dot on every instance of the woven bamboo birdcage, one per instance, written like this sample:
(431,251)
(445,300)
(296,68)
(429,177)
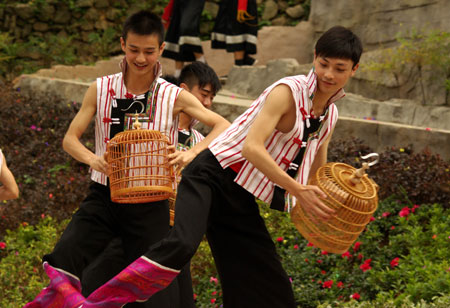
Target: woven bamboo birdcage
(353,197)
(177,182)
(138,166)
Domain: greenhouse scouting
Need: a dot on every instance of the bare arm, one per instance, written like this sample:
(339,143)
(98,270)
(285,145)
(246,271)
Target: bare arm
(9,190)
(79,124)
(190,105)
(277,114)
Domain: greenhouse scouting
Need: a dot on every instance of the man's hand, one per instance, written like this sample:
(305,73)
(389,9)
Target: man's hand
(308,198)
(99,163)
(180,158)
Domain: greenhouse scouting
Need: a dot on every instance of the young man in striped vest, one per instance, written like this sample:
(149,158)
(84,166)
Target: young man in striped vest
(137,88)
(292,121)
(200,80)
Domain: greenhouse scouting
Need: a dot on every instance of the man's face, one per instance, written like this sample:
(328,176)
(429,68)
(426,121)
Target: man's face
(141,52)
(333,73)
(204,94)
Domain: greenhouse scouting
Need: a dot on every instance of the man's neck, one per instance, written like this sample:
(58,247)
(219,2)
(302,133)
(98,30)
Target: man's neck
(185,121)
(320,102)
(138,84)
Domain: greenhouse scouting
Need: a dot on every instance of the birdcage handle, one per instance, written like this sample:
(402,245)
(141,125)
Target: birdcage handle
(375,161)
(359,173)
(136,124)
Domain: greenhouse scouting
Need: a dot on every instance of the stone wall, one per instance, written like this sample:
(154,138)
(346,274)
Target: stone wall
(40,21)
(379,22)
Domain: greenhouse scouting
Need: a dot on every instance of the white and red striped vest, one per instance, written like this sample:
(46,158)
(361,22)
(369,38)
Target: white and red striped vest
(158,113)
(283,147)
(1,161)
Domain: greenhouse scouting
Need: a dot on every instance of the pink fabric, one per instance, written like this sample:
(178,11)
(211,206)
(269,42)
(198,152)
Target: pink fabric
(137,282)
(62,292)
(140,280)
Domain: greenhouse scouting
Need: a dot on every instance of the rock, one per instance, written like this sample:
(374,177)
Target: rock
(280,21)
(24,11)
(46,12)
(379,22)
(282,5)
(101,4)
(62,15)
(40,26)
(296,11)
(270,10)
(212,8)
(112,14)
(101,23)
(86,25)
(252,80)
(91,14)
(84,3)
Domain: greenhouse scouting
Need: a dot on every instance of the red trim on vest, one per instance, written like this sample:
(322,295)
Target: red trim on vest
(236,167)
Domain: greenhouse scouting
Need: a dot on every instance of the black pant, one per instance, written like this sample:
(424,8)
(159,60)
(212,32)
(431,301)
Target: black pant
(209,201)
(97,222)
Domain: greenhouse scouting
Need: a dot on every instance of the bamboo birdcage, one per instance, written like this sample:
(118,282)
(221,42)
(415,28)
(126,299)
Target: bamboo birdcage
(353,197)
(177,182)
(138,166)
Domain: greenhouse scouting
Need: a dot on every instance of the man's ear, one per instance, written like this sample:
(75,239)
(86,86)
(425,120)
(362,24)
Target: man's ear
(354,69)
(184,86)
(122,43)
(161,48)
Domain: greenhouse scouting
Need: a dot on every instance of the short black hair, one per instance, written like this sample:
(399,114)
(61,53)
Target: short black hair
(339,42)
(199,74)
(144,23)
(170,78)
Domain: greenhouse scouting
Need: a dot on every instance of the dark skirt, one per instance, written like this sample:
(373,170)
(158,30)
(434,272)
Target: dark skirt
(182,38)
(231,35)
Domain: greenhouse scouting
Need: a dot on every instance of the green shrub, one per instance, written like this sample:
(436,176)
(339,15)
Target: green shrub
(423,177)
(21,273)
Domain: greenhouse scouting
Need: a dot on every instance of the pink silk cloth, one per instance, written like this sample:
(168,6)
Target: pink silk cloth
(137,282)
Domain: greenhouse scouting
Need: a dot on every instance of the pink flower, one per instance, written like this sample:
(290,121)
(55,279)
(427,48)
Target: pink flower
(415,206)
(324,252)
(360,256)
(2,245)
(394,262)
(356,246)
(295,247)
(340,284)
(309,244)
(385,214)
(327,284)
(393,227)
(214,293)
(355,296)
(213,279)
(372,218)
(404,212)
(213,300)
(280,239)
(195,296)
(319,261)
(323,272)
(346,255)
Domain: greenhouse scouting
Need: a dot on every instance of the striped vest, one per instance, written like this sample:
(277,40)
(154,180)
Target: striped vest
(158,113)
(1,161)
(283,147)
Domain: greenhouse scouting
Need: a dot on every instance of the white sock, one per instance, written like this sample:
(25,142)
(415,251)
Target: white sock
(201,59)
(177,73)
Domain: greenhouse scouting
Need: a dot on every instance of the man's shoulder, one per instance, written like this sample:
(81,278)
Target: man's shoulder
(109,77)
